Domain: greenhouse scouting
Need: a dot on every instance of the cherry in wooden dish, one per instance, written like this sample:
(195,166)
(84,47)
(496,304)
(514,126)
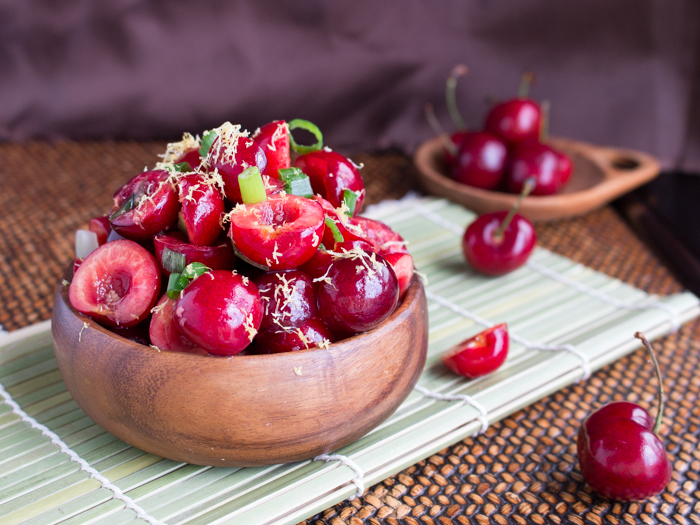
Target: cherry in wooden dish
(600,174)
(247,410)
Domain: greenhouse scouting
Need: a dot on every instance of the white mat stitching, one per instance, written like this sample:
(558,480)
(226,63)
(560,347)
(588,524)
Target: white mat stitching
(484,415)
(358,480)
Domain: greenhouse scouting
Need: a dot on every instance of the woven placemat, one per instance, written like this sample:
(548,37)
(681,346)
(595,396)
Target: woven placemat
(523,470)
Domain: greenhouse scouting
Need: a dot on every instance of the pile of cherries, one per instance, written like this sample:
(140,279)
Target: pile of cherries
(511,148)
(227,245)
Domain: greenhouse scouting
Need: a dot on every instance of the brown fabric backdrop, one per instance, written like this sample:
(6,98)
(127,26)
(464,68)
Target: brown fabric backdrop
(622,73)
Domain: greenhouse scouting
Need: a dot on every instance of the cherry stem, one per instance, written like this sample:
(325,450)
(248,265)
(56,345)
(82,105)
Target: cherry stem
(525,82)
(451,96)
(659,415)
(544,123)
(437,129)
(528,186)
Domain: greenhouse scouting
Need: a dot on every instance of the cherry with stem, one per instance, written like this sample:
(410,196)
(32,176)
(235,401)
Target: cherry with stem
(528,186)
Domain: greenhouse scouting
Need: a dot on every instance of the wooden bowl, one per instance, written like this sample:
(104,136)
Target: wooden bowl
(600,175)
(244,410)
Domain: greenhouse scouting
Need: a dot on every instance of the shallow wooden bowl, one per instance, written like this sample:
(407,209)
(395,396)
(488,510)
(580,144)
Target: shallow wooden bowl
(244,410)
(600,175)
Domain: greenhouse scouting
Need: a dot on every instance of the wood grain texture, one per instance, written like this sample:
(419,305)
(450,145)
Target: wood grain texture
(600,174)
(243,410)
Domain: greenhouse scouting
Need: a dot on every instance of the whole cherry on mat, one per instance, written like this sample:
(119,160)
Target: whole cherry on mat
(500,242)
(620,453)
(479,355)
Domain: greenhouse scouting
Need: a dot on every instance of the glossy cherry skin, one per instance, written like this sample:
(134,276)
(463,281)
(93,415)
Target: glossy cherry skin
(551,168)
(620,456)
(191,157)
(100,227)
(330,174)
(274,141)
(359,292)
(348,228)
(220,312)
(280,233)
(479,355)
(163,332)
(230,157)
(309,335)
(156,210)
(457,139)
(202,207)
(383,239)
(514,120)
(481,161)
(217,257)
(288,299)
(117,284)
(488,255)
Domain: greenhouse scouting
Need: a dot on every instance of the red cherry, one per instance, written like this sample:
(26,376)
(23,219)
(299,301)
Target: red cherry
(272,185)
(100,227)
(144,206)
(481,161)
(202,207)
(620,455)
(274,141)
(117,284)
(383,239)
(220,312)
(163,331)
(479,355)
(514,120)
(359,291)
(550,168)
(318,265)
(191,157)
(330,174)
(457,139)
(491,254)
(312,333)
(348,228)
(402,263)
(280,233)
(217,257)
(288,299)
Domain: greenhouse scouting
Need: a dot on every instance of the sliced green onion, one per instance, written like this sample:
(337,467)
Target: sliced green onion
(195,269)
(173,262)
(128,205)
(252,186)
(296,182)
(350,200)
(333,227)
(175,285)
(308,126)
(208,138)
(183,167)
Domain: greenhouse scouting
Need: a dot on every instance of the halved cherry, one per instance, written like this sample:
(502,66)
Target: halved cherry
(163,331)
(288,299)
(273,186)
(402,263)
(117,284)
(144,206)
(359,291)
(280,233)
(232,152)
(217,257)
(313,333)
(348,229)
(185,150)
(220,312)
(274,141)
(380,236)
(331,174)
(100,226)
(479,355)
(202,207)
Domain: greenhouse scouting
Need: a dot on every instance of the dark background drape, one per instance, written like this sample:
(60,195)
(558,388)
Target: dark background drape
(623,72)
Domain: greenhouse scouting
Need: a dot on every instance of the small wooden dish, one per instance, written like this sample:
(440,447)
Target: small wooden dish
(245,410)
(600,175)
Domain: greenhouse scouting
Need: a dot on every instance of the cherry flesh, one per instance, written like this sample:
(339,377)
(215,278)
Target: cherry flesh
(220,312)
(359,291)
(495,255)
(217,257)
(383,239)
(100,227)
(117,284)
(514,120)
(280,233)
(331,174)
(202,207)
(313,333)
(402,263)
(481,161)
(349,229)
(288,299)
(163,331)
(550,168)
(479,355)
(274,141)
(144,206)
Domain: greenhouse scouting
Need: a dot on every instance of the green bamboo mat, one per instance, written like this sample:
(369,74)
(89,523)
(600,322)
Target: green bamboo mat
(563,318)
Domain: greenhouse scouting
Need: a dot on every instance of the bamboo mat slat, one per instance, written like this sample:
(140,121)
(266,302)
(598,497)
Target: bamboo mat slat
(40,485)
